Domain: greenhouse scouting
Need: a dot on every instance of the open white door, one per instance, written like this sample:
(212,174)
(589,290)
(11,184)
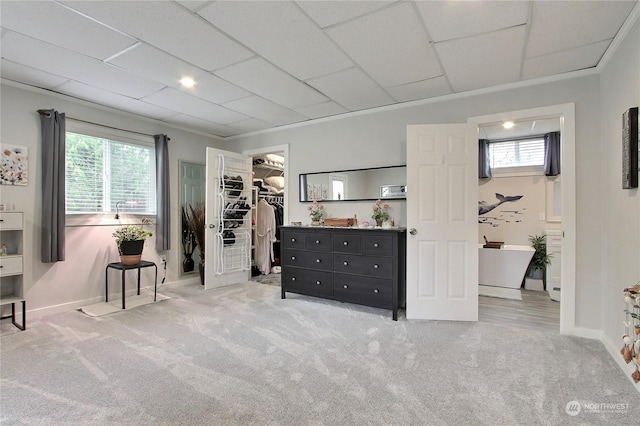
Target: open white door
(228,219)
(442,217)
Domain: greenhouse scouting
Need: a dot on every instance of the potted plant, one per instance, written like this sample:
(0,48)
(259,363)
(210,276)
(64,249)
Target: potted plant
(540,258)
(380,212)
(317,213)
(130,241)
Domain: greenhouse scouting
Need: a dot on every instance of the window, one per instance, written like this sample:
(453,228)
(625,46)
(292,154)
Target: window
(107,172)
(523,155)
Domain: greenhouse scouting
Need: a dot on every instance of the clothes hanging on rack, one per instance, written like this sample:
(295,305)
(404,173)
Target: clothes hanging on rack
(265,235)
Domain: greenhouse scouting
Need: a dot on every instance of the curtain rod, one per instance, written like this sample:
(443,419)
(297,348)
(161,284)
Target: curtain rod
(521,138)
(47,113)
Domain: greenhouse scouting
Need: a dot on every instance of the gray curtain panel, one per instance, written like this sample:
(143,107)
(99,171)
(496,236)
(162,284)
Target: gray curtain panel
(552,151)
(484,168)
(52,124)
(163,220)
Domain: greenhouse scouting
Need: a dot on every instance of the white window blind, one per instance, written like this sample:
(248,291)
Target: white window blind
(101,172)
(517,153)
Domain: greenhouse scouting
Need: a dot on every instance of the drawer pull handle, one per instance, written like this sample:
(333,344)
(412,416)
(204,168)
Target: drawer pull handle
(318,260)
(293,278)
(345,243)
(376,266)
(375,244)
(345,263)
(293,258)
(345,286)
(317,241)
(318,282)
(376,291)
(293,240)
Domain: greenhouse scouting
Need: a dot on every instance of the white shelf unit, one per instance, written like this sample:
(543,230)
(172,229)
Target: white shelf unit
(12,264)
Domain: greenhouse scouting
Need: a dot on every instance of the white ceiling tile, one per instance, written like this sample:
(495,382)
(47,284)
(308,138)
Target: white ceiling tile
(251,125)
(188,104)
(65,63)
(27,75)
(352,89)
(389,45)
(194,5)
(484,60)
(430,88)
(205,126)
(447,20)
(562,25)
(143,60)
(265,110)
(41,20)
(270,82)
(169,27)
(281,33)
(326,13)
(83,91)
(568,60)
(324,109)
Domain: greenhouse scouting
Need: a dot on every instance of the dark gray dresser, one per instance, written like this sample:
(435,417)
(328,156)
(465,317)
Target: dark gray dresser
(363,266)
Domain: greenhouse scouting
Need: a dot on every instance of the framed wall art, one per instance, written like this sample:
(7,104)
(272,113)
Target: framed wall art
(14,165)
(630,148)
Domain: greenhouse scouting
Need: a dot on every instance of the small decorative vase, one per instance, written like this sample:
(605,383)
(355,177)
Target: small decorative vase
(315,223)
(201,268)
(188,263)
(378,222)
(386,224)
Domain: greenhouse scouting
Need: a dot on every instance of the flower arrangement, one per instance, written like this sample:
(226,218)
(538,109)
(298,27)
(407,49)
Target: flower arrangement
(195,218)
(130,233)
(380,211)
(316,211)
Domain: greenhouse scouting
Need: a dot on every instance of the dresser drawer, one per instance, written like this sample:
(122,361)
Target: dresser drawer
(293,239)
(11,265)
(319,241)
(307,259)
(377,245)
(376,292)
(10,220)
(305,281)
(347,243)
(372,266)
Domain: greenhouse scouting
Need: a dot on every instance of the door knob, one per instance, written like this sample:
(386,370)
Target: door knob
(413,231)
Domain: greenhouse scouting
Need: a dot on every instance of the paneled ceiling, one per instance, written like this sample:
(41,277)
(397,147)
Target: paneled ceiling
(264,64)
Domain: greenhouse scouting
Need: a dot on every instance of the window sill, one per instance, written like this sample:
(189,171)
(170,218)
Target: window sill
(107,219)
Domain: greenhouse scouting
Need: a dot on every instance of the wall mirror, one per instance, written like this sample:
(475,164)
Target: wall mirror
(354,185)
(192,192)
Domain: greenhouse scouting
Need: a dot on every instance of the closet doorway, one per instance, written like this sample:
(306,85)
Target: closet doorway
(270,188)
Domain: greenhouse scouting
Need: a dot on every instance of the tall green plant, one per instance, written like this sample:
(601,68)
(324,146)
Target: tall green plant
(540,258)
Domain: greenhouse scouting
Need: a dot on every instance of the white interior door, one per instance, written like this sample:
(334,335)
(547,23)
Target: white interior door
(228,236)
(442,217)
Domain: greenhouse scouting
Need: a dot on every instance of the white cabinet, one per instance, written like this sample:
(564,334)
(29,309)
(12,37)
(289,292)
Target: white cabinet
(12,263)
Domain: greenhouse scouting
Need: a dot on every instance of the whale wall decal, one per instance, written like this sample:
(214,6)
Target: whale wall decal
(483,208)
(497,218)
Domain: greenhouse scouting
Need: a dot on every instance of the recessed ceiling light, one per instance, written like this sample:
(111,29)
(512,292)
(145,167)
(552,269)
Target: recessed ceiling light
(508,125)
(187,82)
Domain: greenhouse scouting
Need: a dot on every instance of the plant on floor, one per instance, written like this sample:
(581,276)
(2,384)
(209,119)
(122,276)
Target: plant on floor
(540,258)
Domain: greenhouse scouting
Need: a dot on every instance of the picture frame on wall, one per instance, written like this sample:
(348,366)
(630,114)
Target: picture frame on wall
(14,165)
(630,148)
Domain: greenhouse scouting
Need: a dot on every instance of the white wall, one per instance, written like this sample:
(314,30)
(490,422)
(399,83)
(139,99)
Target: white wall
(379,139)
(80,278)
(620,251)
